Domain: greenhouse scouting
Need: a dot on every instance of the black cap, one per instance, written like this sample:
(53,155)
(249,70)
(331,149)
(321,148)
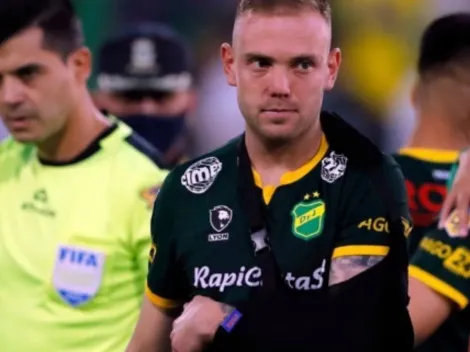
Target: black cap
(148,56)
(446,39)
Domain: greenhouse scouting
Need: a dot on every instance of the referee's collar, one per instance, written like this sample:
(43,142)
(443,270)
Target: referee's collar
(115,131)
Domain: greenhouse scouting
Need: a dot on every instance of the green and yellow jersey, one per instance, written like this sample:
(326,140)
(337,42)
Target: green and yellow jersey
(201,235)
(74,240)
(426,173)
(442,262)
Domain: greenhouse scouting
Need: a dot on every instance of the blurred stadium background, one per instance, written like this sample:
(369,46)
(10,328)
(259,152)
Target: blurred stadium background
(378,39)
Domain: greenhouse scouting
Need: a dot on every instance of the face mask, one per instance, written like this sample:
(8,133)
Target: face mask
(160,131)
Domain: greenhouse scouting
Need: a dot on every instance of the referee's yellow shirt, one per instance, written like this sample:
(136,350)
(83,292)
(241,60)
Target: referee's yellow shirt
(74,244)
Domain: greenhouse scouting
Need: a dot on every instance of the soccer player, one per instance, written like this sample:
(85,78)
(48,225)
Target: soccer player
(440,288)
(76,192)
(327,225)
(144,78)
(442,106)
(438,293)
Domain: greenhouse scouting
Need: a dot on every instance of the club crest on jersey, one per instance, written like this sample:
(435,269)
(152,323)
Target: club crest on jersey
(308,219)
(220,217)
(452,225)
(77,274)
(333,167)
(200,176)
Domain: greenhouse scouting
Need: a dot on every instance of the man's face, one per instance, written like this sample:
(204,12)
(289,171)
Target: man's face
(37,88)
(281,65)
(150,103)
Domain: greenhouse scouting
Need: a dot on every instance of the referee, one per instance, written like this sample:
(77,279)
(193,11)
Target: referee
(292,236)
(76,191)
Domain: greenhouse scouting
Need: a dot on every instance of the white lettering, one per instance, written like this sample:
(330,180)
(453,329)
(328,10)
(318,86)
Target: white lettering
(241,275)
(200,275)
(318,276)
(290,280)
(251,277)
(227,281)
(215,280)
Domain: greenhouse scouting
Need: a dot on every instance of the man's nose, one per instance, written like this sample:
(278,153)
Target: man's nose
(11,92)
(280,84)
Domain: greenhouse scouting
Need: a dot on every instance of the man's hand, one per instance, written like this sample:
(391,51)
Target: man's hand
(459,196)
(196,327)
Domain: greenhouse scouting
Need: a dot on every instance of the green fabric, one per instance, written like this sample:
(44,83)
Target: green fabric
(202,241)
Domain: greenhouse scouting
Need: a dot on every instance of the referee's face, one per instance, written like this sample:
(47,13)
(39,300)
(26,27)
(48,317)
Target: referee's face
(37,88)
(281,64)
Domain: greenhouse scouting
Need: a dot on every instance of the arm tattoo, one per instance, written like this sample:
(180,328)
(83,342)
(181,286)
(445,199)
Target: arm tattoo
(345,268)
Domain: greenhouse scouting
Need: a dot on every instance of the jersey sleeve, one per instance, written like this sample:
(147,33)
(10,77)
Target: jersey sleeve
(443,264)
(141,214)
(165,280)
(365,229)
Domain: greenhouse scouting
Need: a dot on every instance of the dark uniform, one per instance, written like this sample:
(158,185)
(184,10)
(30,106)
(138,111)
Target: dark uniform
(326,209)
(442,262)
(426,172)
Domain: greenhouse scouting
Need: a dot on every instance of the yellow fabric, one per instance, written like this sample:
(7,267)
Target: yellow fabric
(74,244)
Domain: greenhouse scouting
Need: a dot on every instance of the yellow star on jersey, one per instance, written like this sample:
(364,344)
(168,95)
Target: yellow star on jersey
(316,194)
(307,197)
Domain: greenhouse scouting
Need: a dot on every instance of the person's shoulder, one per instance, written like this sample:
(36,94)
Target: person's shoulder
(362,154)
(370,172)
(140,149)
(136,154)
(137,166)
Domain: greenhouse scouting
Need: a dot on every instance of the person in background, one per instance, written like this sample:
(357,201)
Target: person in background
(144,78)
(76,193)
(438,289)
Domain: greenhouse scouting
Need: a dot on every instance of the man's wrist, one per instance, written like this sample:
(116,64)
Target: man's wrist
(231,319)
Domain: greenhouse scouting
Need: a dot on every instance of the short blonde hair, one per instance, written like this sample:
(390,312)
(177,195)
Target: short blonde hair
(272,6)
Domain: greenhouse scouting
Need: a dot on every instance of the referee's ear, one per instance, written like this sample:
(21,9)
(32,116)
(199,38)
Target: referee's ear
(80,62)
(228,60)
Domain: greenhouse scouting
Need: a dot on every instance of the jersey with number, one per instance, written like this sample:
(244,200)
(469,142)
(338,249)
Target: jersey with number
(426,172)
(201,233)
(74,240)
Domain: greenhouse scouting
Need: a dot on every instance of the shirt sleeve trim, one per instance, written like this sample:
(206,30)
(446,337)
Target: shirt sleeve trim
(439,286)
(160,301)
(351,250)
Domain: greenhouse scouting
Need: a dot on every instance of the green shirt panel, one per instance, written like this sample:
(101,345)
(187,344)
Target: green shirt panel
(443,264)
(202,237)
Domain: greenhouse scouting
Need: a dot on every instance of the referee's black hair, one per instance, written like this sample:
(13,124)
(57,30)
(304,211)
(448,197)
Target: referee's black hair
(57,19)
(445,41)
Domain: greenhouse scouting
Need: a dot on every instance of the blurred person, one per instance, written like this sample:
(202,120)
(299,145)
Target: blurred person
(76,192)
(440,100)
(439,294)
(144,78)
(285,222)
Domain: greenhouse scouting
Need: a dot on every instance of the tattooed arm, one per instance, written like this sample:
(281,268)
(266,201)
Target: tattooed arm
(345,268)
